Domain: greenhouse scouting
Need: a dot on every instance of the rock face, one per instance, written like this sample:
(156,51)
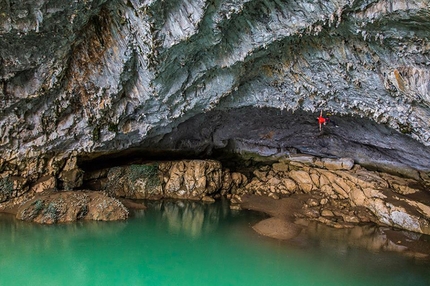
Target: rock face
(331,191)
(71,206)
(99,82)
(104,75)
(186,179)
(344,196)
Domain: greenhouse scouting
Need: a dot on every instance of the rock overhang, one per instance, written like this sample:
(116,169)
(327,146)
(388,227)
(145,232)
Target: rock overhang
(270,132)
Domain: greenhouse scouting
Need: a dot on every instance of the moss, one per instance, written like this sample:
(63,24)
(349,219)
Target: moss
(52,211)
(405,128)
(148,172)
(38,206)
(96,133)
(113,127)
(6,186)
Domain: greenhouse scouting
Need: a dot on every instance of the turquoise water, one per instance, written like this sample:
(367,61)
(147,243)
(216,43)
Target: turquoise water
(189,243)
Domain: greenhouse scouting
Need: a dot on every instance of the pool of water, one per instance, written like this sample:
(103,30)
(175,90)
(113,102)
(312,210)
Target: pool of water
(190,243)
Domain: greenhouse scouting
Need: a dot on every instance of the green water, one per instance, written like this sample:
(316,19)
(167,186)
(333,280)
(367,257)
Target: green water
(186,243)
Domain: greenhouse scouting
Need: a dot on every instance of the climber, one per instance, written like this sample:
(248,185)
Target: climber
(324,120)
(321,120)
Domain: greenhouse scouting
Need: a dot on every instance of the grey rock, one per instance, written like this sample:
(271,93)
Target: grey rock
(100,77)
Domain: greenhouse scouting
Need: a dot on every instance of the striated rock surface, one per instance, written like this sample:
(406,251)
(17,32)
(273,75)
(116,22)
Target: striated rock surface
(100,76)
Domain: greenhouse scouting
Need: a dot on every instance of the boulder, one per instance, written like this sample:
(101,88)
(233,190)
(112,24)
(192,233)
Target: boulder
(302,179)
(280,167)
(59,207)
(277,228)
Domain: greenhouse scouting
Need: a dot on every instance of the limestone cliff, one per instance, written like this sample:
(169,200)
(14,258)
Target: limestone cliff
(81,79)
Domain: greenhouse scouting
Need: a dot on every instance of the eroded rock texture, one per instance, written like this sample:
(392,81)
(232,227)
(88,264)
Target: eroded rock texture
(102,75)
(71,206)
(339,195)
(83,79)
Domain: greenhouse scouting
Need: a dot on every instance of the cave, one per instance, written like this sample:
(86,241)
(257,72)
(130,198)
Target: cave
(265,134)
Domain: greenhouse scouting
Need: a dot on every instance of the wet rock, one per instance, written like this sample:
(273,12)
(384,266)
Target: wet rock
(277,228)
(356,195)
(327,213)
(133,204)
(58,207)
(311,213)
(235,207)
(208,199)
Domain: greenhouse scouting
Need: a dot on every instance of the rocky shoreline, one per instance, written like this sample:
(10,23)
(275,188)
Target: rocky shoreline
(294,191)
(335,192)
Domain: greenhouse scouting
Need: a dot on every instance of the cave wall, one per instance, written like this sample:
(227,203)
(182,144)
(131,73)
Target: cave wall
(100,76)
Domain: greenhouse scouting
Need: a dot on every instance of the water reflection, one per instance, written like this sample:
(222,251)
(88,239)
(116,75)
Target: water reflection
(35,238)
(189,218)
(178,242)
(370,237)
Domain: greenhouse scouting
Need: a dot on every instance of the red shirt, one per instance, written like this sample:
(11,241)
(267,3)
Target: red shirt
(321,120)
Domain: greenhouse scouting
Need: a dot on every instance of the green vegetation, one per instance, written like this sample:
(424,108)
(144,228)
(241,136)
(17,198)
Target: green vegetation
(96,133)
(38,206)
(112,127)
(6,187)
(52,211)
(148,172)
(405,128)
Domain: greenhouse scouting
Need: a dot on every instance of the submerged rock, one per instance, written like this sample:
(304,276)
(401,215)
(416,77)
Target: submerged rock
(277,228)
